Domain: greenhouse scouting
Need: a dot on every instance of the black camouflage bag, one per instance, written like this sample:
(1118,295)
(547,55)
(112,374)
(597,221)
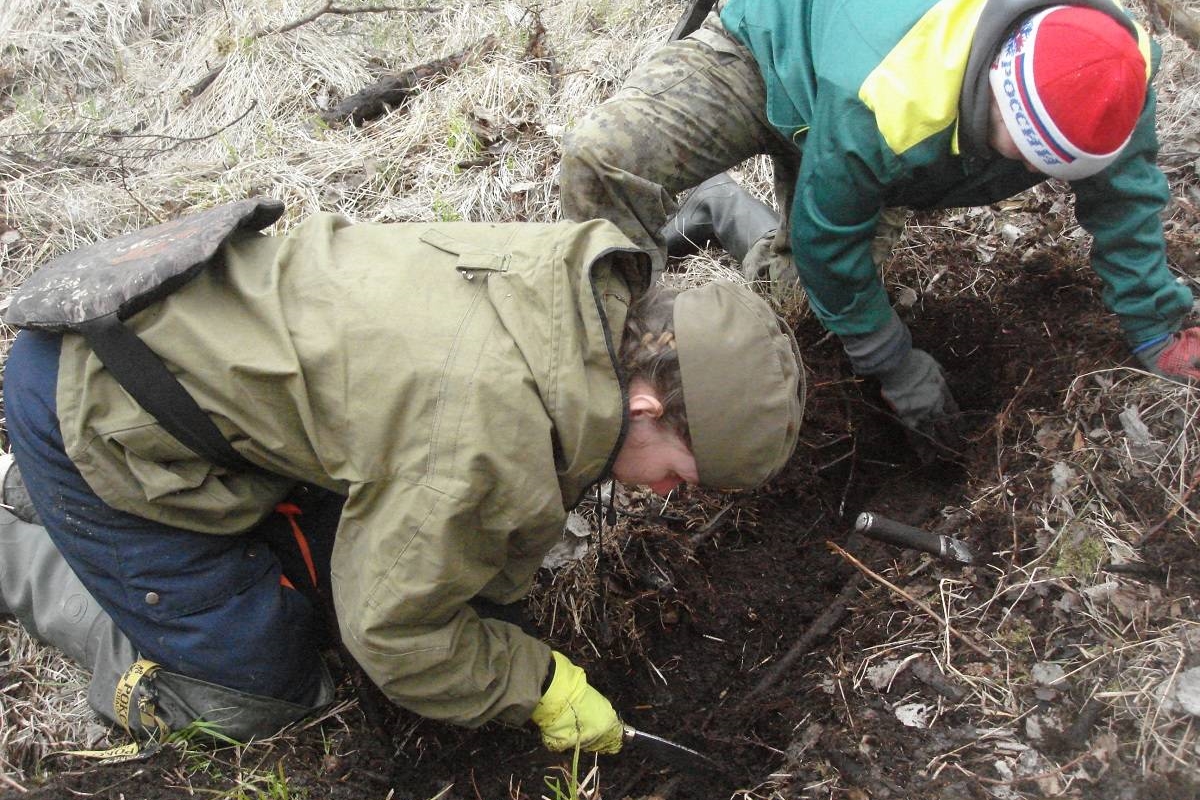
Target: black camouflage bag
(90,291)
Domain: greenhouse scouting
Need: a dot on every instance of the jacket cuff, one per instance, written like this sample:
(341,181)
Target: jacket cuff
(880,351)
(549,679)
(1146,345)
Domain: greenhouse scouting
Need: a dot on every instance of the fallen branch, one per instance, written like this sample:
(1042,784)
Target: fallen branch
(392,91)
(12,784)
(1186,23)
(962,637)
(197,88)
(817,630)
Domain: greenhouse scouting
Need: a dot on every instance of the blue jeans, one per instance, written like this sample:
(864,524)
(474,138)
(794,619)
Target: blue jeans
(210,607)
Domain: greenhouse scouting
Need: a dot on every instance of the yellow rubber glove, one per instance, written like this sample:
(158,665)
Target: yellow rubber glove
(571,713)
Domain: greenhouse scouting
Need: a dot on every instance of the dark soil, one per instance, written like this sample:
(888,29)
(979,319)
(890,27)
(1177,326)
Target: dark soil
(697,628)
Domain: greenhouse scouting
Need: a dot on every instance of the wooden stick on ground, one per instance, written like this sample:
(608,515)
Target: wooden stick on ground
(391,91)
(1185,22)
(817,630)
(962,637)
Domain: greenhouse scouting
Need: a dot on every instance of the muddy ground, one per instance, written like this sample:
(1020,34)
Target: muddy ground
(699,619)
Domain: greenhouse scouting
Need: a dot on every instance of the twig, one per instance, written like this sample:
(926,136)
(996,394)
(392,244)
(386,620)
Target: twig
(1136,569)
(330,8)
(540,52)
(711,527)
(134,197)
(10,782)
(81,133)
(962,637)
(1182,503)
(197,88)
(1002,418)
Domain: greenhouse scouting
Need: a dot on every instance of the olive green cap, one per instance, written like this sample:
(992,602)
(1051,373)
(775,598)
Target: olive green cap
(743,384)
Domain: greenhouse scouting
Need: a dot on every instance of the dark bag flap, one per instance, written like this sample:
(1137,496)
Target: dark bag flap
(128,273)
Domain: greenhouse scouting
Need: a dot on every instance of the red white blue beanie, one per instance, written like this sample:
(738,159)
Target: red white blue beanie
(1070,83)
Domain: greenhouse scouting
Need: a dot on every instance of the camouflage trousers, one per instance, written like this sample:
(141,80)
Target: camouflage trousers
(697,107)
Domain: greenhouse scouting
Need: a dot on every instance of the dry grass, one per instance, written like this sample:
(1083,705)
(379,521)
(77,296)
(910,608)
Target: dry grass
(43,700)
(98,135)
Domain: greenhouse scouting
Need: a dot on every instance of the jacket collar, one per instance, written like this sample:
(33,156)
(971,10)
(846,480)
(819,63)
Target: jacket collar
(591,429)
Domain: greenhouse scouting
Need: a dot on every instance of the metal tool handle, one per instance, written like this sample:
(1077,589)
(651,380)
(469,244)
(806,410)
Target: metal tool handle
(893,532)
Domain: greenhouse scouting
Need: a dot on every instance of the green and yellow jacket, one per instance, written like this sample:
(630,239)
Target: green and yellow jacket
(888,102)
(456,382)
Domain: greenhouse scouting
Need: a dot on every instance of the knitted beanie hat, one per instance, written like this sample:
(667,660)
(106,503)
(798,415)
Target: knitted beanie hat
(1070,83)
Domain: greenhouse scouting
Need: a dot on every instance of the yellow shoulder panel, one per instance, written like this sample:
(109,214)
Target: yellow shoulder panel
(914,91)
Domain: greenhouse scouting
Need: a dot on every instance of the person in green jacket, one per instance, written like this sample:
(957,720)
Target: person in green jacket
(865,106)
(434,398)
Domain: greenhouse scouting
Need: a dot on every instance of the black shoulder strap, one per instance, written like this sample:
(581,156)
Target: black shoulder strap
(143,374)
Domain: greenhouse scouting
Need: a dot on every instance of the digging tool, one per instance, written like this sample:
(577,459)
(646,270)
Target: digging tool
(669,752)
(893,532)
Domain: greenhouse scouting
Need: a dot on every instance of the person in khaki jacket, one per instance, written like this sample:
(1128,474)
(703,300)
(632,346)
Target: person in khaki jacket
(436,398)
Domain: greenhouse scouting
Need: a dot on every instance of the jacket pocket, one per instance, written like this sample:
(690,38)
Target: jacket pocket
(676,64)
(471,259)
(158,461)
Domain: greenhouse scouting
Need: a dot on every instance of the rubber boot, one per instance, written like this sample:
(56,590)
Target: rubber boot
(13,495)
(719,210)
(173,701)
(41,590)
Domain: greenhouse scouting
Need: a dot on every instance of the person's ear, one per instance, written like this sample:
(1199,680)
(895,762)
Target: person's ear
(644,402)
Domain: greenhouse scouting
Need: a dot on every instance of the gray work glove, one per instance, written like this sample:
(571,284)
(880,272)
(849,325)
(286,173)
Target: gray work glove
(913,384)
(917,391)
